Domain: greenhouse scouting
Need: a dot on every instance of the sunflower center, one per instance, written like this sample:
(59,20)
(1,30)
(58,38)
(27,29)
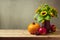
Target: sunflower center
(43,13)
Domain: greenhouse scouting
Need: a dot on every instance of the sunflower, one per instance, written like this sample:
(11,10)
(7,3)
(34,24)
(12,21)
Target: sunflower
(43,13)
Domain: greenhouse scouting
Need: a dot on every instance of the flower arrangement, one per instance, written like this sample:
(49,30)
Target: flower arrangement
(43,15)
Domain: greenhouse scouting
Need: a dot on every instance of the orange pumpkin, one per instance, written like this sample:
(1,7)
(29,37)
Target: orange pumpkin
(33,27)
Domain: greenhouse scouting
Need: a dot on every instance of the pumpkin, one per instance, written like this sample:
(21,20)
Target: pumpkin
(33,27)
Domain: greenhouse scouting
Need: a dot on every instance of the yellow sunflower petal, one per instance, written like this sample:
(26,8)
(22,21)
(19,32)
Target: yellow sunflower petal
(43,21)
(52,14)
(37,9)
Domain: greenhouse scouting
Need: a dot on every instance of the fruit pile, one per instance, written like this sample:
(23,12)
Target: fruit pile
(36,29)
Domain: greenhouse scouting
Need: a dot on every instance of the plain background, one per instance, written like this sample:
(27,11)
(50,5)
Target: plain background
(18,14)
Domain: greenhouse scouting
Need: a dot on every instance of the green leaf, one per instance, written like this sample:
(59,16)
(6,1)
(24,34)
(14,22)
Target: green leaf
(35,15)
(47,17)
(39,19)
(45,7)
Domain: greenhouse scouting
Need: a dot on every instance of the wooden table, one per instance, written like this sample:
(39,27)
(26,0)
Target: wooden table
(24,35)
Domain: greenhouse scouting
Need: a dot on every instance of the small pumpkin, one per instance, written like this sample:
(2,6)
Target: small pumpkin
(33,27)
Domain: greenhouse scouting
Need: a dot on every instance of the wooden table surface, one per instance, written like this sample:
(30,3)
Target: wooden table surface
(25,33)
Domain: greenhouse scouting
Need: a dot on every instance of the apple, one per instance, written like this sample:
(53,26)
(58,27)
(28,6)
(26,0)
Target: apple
(53,28)
(42,31)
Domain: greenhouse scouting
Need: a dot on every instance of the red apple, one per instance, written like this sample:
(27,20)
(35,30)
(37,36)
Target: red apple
(42,30)
(53,28)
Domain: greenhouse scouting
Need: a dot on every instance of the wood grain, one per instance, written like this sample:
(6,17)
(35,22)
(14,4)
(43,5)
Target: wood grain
(25,33)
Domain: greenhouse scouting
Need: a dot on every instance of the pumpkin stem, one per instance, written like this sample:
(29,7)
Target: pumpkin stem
(34,23)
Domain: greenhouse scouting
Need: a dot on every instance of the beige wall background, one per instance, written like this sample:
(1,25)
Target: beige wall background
(17,14)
